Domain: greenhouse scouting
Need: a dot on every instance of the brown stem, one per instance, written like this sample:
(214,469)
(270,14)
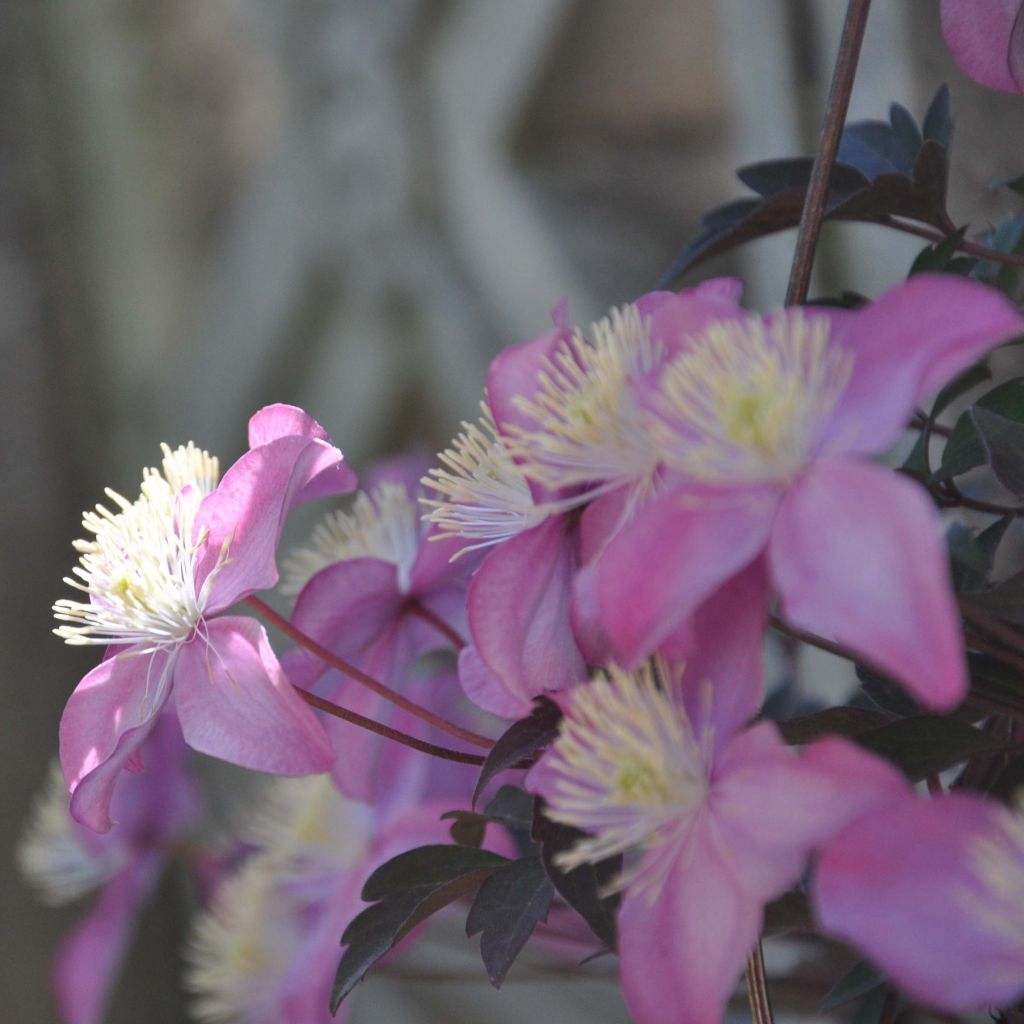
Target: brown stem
(832,129)
(955,497)
(383,730)
(919,421)
(973,248)
(329,658)
(757,988)
(421,611)
(997,652)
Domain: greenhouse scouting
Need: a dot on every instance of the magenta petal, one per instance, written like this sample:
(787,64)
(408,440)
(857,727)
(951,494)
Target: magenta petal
(486,690)
(905,346)
(519,611)
(681,950)
(677,551)
(986,39)
(858,557)
(105,720)
(247,511)
(235,703)
(676,318)
(89,959)
(725,652)
(772,809)
(898,885)
(345,608)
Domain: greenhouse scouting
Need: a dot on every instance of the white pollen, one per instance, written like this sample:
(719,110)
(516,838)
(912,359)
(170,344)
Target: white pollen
(139,569)
(383,524)
(748,400)
(484,495)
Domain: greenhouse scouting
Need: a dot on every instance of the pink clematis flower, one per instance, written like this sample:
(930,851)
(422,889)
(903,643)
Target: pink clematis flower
(363,583)
(933,892)
(762,424)
(158,573)
(561,430)
(65,860)
(718,821)
(986,37)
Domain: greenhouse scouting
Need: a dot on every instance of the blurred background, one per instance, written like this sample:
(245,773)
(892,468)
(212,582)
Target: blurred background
(352,205)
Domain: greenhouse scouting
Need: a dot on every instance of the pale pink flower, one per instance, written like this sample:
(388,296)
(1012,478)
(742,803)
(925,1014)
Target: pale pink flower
(158,572)
(986,37)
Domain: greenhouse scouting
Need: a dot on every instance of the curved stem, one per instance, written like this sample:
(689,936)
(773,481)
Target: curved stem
(421,611)
(383,730)
(832,129)
(957,498)
(920,421)
(329,658)
(973,248)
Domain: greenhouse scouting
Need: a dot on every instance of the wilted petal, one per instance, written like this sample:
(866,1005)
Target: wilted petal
(105,720)
(235,703)
(901,885)
(986,37)
(858,557)
(677,551)
(905,346)
(681,950)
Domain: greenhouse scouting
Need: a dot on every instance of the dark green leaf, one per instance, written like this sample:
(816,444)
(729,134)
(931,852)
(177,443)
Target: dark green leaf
(884,170)
(519,740)
(844,721)
(959,385)
(935,259)
(858,981)
(583,887)
(938,121)
(888,695)
(379,927)
(1009,783)
(1006,237)
(917,463)
(1003,601)
(790,912)
(511,806)
(426,867)
(995,682)
(468,827)
(1003,441)
(873,1007)
(507,908)
(927,744)
(964,449)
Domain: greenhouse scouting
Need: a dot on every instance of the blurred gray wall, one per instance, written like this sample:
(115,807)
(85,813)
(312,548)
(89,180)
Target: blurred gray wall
(208,205)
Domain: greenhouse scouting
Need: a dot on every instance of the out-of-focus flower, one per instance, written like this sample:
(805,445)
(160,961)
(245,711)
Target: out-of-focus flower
(986,37)
(761,423)
(157,573)
(65,860)
(933,892)
(718,821)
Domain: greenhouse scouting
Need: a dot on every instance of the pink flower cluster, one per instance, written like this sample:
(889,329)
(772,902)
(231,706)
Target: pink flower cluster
(612,534)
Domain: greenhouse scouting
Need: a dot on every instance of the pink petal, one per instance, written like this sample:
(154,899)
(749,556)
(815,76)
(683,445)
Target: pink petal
(519,611)
(726,654)
(486,689)
(105,720)
(986,39)
(345,608)
(677,551)
(677,317)
(681,949)
(277,421)
(90,958)
(772,809)
(858,557)
(906,345)
(235,703)
(248,509)
(898,885)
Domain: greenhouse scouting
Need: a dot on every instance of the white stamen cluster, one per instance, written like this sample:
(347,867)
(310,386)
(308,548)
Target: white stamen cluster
(139,569)
(306,827)
(589,426)
(629,768)
(241,946)
(997,861)
(747,400)
(485,497)
(56,857)
(382,524)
